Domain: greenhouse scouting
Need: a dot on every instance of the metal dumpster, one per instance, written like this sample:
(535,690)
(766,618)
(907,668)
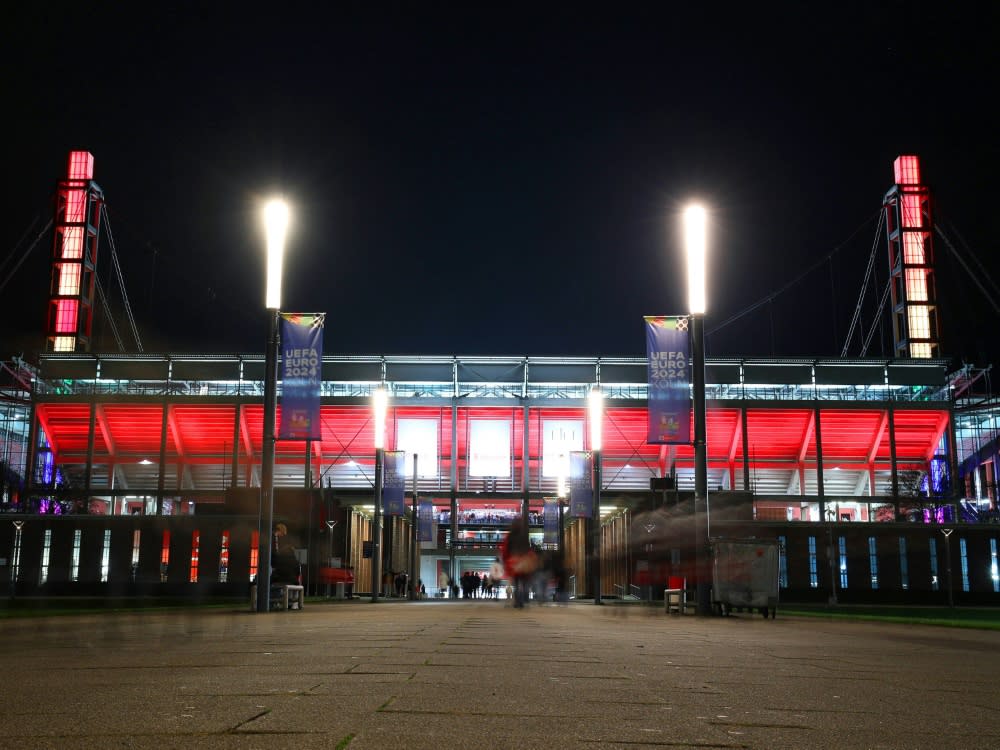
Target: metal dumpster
(745,575)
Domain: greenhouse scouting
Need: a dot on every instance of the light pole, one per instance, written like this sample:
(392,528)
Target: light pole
(561,492)
(381,401)
(595,403)
(414,536)
(695,244)
(276,226)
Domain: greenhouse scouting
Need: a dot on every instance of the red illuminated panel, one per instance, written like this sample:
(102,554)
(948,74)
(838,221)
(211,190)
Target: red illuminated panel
(69,279)
(254,553)
(76,200)
(81,165)
(72,243)
(135,429)
(66,310)
(224,558)
(165,550)
(195,543)
(65,426)
(907,170)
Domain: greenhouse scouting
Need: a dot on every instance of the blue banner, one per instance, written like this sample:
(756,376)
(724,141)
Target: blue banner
(550,520)
(301,375)
(581,485)
(668,349)
(394,483)
(425,521)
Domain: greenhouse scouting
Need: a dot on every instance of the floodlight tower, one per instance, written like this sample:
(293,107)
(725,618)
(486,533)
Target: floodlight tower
(74,257)
(910,231)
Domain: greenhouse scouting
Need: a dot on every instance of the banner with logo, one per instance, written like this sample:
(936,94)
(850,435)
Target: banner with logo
(668,349)
(394,483)
(550,520)
(301,375)
(425,521)
(581,485)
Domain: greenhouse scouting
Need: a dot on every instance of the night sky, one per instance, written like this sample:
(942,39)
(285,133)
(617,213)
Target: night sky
(505,179)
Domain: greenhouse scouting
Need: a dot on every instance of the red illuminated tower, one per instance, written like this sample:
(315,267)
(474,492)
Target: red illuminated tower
(74,257)
(910,228)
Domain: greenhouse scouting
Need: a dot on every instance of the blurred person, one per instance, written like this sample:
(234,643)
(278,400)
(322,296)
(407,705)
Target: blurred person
(519,559)
(284,563)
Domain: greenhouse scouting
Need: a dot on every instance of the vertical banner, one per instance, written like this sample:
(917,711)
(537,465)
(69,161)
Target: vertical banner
(301,375)
(668,349)
(550,520)
(581,485)
(425,521)
(394,483)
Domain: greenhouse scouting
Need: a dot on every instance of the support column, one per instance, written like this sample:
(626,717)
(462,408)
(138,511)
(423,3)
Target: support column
(89,480)
(525,463)
(235,465)
(746,448)
(162,466)
(892,461)
(454,489)
(702,551)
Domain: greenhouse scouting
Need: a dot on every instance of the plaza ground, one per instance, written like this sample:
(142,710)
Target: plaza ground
(483,675)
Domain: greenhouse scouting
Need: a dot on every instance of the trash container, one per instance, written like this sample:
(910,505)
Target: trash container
(338,591)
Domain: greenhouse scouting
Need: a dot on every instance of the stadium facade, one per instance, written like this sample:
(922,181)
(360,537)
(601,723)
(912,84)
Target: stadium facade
(140,473)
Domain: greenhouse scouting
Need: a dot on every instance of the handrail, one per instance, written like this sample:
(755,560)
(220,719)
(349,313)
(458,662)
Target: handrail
(619,587)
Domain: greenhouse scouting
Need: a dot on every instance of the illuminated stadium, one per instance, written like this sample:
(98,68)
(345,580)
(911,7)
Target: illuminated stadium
(129,474)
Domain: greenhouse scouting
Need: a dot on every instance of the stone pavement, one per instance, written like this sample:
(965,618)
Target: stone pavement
(453,674)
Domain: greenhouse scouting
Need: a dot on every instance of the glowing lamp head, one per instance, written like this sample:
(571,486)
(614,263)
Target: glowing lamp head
(595,404)
(275,225)
(695,244)
(381,402)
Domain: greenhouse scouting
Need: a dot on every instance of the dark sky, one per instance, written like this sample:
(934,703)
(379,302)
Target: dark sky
(502,180)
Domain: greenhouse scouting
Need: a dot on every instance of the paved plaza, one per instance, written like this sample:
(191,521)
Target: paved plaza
(455,674)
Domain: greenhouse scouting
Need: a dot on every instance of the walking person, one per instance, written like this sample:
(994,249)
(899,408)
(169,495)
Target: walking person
(519,559)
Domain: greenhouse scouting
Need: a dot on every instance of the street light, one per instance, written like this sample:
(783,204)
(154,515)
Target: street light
(595,403)
(380,402)
(276,226)
(695,244)
(561,492)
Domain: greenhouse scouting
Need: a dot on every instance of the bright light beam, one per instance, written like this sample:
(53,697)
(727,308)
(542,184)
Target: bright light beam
(276,225)
(696,244)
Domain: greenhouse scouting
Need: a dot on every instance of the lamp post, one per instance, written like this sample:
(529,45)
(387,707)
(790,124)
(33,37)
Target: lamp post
(595,403)
(276,225)
(381,401)
(561,492)
(414,536)
(696,247)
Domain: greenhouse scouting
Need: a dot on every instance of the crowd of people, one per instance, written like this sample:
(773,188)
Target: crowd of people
(523,573)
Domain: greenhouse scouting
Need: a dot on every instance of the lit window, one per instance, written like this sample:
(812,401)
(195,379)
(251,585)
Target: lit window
(813,567)
(254,554)
(873,561)
(964,550)
(904,568)
(934,566)
(74,568)
(43,574)
(842,549)
(195,542)
(106,556)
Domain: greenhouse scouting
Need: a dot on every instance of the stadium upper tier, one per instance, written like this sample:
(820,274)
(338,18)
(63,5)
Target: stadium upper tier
(423,378)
